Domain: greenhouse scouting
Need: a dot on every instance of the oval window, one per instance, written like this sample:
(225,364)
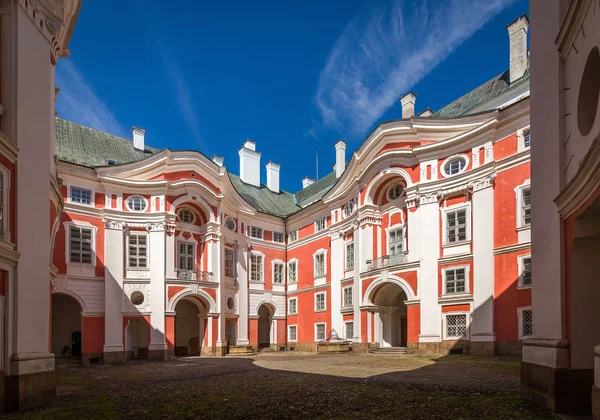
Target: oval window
(186,216)
(230,223)
(395,191)
(230,303)
(136,203)
(349,209)
(455,165)
(137,298)
(589,93)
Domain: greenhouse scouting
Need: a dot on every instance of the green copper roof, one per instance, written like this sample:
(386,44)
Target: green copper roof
(314,192)
(265,200)
(85,146)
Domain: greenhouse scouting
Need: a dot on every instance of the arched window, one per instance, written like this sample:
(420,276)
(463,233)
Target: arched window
(395,191)
(186,216)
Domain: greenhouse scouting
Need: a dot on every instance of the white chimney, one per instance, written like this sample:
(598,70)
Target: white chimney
(517,34)
(273,176)
(340,158)
(218,160)
(250,164)
(408,105)
(138,138)
(306,181)
(426,112)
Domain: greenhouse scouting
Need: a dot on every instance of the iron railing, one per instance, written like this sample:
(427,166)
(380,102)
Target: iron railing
(386,261)
(194,275)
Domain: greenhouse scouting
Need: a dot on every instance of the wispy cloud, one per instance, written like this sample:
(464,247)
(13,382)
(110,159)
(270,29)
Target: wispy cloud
(382,56)
(78,102)
(181,89)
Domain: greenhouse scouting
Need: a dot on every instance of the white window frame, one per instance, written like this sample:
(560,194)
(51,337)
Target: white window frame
(447,210)
(92,193)
(520,318)
(227,218)
(323,252)
(320,224)
(521,259)
(228,248)
(281,236)
(352,210)
(82,225)
(282,264)
(194,251)
(467,321)
(252,230)
(521,138)
(467,279)
(130,199)
(295,299)
(262,265)
(344,296)
(346,260)
(447,161)
(290,339)
(393,229)
(188,210)
(293,236)
(295,262)
(346,329)
(520,214)
(391,189)
(324,309)
(316,326)
(5,225)
(139,233)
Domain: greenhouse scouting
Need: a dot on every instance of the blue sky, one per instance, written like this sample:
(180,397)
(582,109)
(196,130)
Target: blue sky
(295,77)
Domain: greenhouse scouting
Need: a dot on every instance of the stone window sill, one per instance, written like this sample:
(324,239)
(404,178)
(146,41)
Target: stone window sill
(453,244)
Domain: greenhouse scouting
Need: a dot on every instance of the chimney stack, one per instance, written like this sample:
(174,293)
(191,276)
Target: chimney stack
(517,34)
(138,138)
(250,164)
(340,158)
(273,176)
(306,181)
(426,112)
(218,160)
(408,105)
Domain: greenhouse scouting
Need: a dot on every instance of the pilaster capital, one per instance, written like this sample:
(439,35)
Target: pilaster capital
(335,234)
(114,224)
(483,183)
(156,227)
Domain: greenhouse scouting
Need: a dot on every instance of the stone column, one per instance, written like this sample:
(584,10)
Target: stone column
(157,349)
(337,272)
(113,351)
(482,323)
(242,279)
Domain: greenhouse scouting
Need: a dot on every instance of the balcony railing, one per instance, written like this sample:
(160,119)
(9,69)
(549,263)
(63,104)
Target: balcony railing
(386,261)
(194,275)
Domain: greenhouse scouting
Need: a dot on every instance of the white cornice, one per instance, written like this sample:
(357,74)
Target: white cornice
(571,26)
(308,289)
(455,258)
(512,248)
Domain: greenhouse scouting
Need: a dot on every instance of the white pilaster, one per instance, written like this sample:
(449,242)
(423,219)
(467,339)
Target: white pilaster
(360,248)
(242,278)
(113,286)
(157,245)
(337,272)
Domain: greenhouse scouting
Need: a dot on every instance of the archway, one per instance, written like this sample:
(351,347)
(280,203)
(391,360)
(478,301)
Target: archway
(190,320)
(265,317)
(391,326)
(66,326)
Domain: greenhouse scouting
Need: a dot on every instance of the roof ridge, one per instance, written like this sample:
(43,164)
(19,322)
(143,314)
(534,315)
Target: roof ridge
(91,128)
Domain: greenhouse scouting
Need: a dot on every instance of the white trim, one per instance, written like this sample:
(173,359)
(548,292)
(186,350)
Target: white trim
(354,206)
(233,262)
(282,237)
(519,197)
(467,279)
(520,318)
(447,161)
(394,228)
(320,323)
(410,295)
(521,261)
(345,329)
(324,293)
(262,232)
(297,234)
(289,335)
(521,139)
(70,194)
(351,287)
(346,245)
(316,224)
(467,322)
(234,223)
(80,224)
(451,209)
(289,300)
(256,253)
(131,197)
(283,264)
(192,212)
(319,252)
(6,174)
(390,189)
(137,232)
(195,251)
(295,261)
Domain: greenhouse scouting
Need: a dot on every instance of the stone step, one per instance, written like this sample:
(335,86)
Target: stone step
(67,361)
(389,350)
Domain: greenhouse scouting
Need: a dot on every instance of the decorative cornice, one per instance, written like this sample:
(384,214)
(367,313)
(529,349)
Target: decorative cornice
(455,258)
(571,26)
(512,248)
(114,225)
(8,148)
(157,227)
(483,183)
(308,289)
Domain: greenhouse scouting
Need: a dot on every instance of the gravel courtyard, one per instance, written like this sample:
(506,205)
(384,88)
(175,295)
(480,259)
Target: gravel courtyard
(294,385)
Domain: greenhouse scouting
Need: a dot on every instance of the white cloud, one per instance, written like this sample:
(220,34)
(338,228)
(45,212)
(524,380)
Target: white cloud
(377,59)
(77,101)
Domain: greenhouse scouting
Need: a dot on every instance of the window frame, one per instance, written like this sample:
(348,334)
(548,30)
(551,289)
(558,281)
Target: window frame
(317,254)
(451,209)
(128,253)
(227,218)
(256,229)
(262,266)
(136,196)
(80,225)
(278,234)
(189,211)
(293,235)
(526,185)
(392,188)
(446,337)
(395,228)
(274,264)
(320,224)
(290,339)
(346,323)
(324,309)
(521,135)
(230,249)
(5,205)
(324,329)
(346,260)
(525,207)
(521,261)
(467,279)
(193,255)
(351,288)
(295,299)
(349,205)
(90,204)
(295,262)
(447,162)
(521,319)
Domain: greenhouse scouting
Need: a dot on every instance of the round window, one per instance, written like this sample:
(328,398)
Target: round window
(455,165)
(395,191)
(186,216)
(589,93)
(136,203)
(137,298)
(349,209)
(230,223)
(230,303)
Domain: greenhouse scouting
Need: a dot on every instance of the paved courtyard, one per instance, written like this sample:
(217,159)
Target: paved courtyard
(294,385)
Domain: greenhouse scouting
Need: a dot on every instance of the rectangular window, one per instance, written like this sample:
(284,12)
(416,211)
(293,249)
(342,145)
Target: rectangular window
(319,265)
(527,138)
(456,326)
(320,224)
(138,250)
(320,332)
(80,245)
(256,268)
(81,195)
(278,237)
(293,306)
(456,226)
(320,301)
(229,262)
(278,273)
(455,280)
(396,241)
(527,319)
(526,206)
(527,271)
(349,330)
(256,232)
(293,236)
(2,218)
(347,297)
(292,332)
(292,272)
(187,260)
(350,256)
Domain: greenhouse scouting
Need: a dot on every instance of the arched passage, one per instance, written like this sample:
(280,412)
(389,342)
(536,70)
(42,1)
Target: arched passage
(66,326)
(137,338)
(391,326)
(190,325)
(265,319)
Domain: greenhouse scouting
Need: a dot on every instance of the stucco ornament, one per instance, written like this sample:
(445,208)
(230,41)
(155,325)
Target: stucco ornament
(54,10)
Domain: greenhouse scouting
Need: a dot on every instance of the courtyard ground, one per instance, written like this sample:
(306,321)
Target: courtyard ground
(294,385)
